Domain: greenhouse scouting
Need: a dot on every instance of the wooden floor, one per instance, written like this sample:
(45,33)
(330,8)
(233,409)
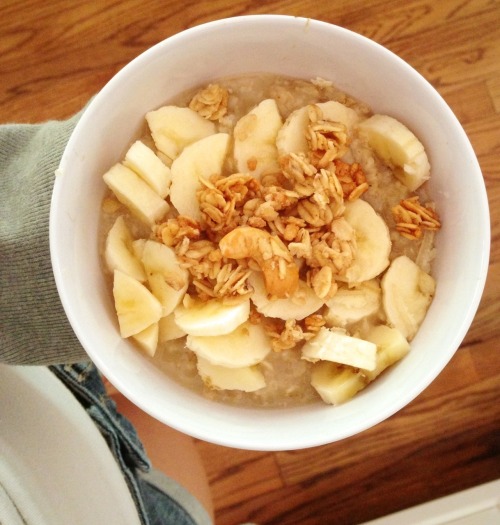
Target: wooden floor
(54,55)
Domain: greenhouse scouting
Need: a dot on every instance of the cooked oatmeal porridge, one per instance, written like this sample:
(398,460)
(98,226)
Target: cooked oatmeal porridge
(268,241)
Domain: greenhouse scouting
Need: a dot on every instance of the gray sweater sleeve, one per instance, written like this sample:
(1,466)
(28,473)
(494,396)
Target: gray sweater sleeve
(33,326)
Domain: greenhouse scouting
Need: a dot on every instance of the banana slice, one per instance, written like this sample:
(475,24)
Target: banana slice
(255,140)
(138,247)
(292,136)
(173,128)
(373,241)
(168,296)
(167,280)
(302,303)
(169,331)
(247,379)
(336,384)
(200,159)
(336,112)
(147,339)
(245,346)
(119,253)
(136,307)
(407,293)
(149,167)
(351,304)
(392,346)
(395,144)
(158,258)
(338,347)
(211,317)
(136,194)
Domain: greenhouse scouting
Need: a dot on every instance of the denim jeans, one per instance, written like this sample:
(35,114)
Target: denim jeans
(159,500)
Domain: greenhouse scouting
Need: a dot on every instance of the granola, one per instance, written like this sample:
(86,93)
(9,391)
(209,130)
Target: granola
(287,225)
(211,102)
(412,218)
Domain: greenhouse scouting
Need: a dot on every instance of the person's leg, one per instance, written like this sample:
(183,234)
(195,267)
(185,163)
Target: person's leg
(184,466)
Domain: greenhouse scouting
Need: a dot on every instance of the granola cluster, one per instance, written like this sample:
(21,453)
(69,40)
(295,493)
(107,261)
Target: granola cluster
(412,218)
(211,102)
(285,335)
(293,223)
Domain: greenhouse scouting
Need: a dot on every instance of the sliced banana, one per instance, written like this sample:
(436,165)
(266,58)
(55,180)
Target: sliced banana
(136,307)
(169,331)
(407,293)
(158,258)
(245,346)
(395,144)
(167,280)
(149,167)
(119,253)
(337,112)
(301,304)
(255,140)
(373,241)
(338,347)
(136,194)
(335,383)
(147,339)
(138,247)
(392,346)
(246,379)
(292,136)
(168,296)
(173,128)
(352,303)
(202,159)
(211,318)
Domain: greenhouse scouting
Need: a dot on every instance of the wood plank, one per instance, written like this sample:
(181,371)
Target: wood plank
(238,474)
(380,483)
(493,86)
(470,102)
(389,21)
(457,53)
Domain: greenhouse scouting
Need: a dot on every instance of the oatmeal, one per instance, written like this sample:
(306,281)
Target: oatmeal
(269,241)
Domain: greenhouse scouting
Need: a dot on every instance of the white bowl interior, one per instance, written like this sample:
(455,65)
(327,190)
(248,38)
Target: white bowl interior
(296,47)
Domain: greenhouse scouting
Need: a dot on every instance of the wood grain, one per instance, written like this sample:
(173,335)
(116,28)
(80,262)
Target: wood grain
(55,55)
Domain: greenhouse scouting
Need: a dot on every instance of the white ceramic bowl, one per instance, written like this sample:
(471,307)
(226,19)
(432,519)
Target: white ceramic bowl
(301,48)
